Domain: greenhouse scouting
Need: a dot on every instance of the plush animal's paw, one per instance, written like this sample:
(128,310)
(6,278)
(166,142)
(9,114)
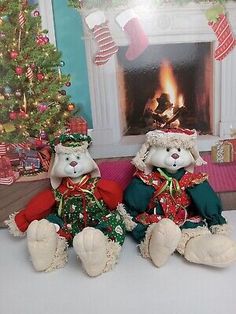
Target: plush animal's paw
(163,242)
(42,243)
(213,250)
(90,246)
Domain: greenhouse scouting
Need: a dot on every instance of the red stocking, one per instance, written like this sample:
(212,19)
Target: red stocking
(96,21)
(224,35)
(130,23)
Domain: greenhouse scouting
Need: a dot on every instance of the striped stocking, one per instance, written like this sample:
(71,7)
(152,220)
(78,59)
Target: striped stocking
(225,36)
(96,21)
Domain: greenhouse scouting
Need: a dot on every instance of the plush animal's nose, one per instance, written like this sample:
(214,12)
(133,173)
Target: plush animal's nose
(175,156)
(73,163)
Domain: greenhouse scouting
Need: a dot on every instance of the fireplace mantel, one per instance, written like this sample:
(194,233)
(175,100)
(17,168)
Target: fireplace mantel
(165,24)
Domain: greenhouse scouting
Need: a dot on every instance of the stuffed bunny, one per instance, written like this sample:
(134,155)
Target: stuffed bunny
(79,210)
(167,207)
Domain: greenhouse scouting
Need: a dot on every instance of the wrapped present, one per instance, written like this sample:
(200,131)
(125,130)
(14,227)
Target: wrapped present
(7,175)
(45,157)
(18,147)
(14,158)
(5,167)
(233,142)
(32,160)
(78,125)
(10,180)
(222,152)
(3,149)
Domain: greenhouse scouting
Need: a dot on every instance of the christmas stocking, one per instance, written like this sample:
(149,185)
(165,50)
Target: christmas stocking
(130,23)
(96,21)
(221,27)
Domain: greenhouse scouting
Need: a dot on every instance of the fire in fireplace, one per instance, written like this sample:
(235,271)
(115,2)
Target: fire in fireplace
(170,85)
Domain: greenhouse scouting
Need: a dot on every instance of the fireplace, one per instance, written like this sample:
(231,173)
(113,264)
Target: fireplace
(170,85)
(204,92)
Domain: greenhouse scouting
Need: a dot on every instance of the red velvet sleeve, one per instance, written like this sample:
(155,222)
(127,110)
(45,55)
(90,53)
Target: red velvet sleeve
(110,191)
(37,208)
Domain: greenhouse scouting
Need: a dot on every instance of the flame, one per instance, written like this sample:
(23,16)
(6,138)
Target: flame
(169,85)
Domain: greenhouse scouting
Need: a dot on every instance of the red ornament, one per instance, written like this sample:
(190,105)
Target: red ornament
(46,39)
(19,70)
(14,54)
(40,76)
(42,107)
(68,84)
(22,114)
(36,13)
(12,115)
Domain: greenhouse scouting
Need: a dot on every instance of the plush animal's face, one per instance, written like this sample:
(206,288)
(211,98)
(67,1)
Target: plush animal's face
(171,159)
(72,165)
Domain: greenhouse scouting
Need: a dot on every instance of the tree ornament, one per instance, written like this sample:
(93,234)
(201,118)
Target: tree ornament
(22,114)
(62,92)
(42,107)
(42,40)
(19,70)
(68,84)
(21,19)
(12,115)
(24,102)
(7,90)
(29,74)
(14,54)
(40,76)
(62,63)
(3,18)
(9,127)
(70,107)
(46,39)
(43,135)
(2,35)
(36,13)
(18,93)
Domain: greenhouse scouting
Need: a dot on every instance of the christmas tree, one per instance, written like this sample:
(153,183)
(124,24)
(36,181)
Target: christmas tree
(33,100)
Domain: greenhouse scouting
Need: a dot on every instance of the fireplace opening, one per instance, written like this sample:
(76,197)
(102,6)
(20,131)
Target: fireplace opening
(169,85)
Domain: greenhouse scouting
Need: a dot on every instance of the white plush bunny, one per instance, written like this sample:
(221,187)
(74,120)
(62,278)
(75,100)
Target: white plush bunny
(80,210)
(167,207)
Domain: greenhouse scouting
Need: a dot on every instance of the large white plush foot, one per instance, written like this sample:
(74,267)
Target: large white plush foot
(163,242)
(42,243)
(90,246)
(213,250)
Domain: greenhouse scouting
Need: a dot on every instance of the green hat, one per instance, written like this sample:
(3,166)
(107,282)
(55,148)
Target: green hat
(71,140)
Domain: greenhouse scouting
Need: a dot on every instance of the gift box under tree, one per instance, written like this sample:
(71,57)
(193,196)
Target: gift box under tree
(7,175)
(78,125)
(233,143)
(222,152)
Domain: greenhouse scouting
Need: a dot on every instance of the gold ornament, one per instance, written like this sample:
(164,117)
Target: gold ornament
(70,107)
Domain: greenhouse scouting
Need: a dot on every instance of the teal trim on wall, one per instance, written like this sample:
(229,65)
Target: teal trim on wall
(69,33)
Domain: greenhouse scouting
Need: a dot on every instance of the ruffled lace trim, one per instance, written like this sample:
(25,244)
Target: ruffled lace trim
(12,227)
(60,257)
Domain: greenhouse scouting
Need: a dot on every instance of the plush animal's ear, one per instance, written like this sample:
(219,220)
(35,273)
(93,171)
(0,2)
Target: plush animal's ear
(55,181)
(190,168)
(139,160)
(95,171)
(148,165)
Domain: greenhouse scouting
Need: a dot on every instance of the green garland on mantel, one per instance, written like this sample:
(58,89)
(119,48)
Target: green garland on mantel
(105,4)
